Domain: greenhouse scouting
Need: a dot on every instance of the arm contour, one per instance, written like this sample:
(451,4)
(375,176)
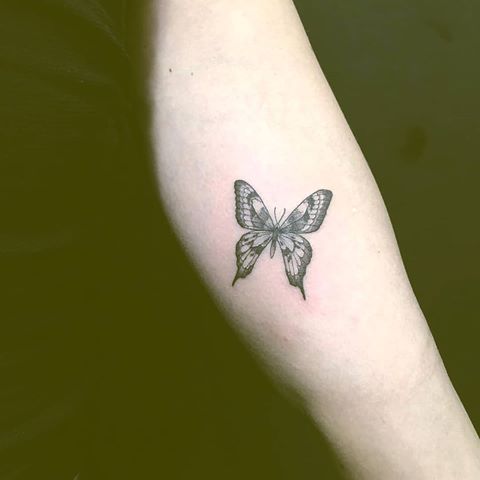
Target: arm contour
(238,94)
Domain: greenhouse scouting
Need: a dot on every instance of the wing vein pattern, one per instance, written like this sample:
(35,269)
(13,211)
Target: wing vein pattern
(252,214)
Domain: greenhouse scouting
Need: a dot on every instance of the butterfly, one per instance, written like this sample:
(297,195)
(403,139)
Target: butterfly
(252,214)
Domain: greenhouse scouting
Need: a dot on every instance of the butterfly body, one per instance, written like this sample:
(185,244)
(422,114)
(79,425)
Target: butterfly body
(273,246)
(252,214)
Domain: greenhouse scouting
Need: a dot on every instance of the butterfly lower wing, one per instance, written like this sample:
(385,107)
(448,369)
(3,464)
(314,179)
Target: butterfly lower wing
(309,215)
(248,249)
(297,254)
(250,210)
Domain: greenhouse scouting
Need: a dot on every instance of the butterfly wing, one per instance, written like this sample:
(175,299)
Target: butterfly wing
(250,213)
(309,215)
(297,254)
(250,210)
(248,249)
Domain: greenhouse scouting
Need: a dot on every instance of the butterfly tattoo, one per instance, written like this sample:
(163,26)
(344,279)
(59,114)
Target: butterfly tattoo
(252,214)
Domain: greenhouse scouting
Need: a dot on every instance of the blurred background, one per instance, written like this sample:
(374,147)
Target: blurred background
(184,398)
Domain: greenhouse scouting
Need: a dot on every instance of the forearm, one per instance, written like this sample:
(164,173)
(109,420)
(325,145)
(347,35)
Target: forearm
(238,94)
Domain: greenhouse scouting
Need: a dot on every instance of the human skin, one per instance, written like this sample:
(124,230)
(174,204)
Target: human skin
(237,93)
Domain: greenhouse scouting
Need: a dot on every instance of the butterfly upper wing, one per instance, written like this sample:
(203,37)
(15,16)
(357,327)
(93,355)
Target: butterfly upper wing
(248,249)
(309,215)
(297,253)
(250,210)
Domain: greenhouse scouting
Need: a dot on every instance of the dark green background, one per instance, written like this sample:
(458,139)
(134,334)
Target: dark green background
(188,401)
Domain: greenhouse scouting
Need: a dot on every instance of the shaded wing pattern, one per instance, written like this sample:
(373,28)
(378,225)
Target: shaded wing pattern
(248,249)
(309,215)
(297,254)
(250,211)
(252,214)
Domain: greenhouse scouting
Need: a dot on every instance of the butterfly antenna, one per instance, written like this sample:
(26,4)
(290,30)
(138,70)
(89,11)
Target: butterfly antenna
(275,214)
(283,214)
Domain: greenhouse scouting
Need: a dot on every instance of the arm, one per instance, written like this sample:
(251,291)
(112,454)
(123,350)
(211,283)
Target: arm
(238,94)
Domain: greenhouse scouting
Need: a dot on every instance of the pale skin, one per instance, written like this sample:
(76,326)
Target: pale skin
(237,93)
